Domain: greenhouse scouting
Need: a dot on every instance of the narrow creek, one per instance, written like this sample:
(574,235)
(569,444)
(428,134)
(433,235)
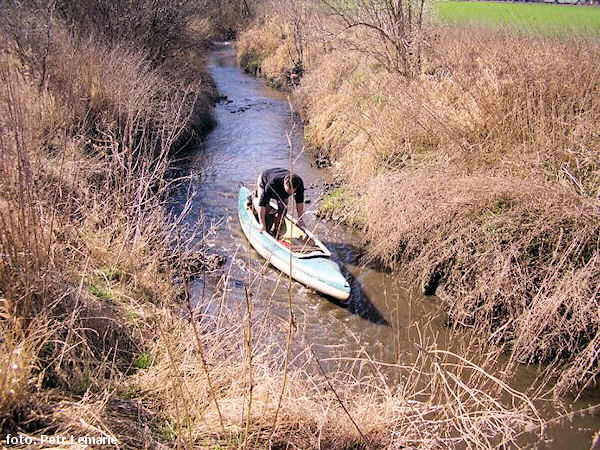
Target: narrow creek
(384,315)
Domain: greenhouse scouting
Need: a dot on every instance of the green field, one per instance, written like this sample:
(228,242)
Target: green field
(537,17)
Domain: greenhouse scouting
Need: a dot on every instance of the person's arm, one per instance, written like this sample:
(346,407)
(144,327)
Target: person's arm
(262,212)
(300,211)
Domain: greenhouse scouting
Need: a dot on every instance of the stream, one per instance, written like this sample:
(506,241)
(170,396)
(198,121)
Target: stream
(385,313)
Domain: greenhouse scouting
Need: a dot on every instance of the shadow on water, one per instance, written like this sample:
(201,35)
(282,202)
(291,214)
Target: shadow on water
(359,302)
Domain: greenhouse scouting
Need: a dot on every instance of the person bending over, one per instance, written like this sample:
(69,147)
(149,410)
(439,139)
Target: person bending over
(278,184)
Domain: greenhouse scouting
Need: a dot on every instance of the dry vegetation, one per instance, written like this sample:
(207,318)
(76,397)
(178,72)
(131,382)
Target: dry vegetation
(477,173)
(97,337)
(91,115)
(94,340)
(441,400)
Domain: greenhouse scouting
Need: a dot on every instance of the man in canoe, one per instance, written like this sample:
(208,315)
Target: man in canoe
(278,184)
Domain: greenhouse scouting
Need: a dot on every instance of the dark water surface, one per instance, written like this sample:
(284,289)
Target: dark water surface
(384,316)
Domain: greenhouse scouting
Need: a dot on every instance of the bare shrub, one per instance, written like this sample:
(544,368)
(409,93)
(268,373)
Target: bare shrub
(281,42)
(159,28)
(260,51)
(390,31)
(230,16)
(84,233)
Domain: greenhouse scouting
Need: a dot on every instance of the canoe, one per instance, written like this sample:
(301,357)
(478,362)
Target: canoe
(297,252)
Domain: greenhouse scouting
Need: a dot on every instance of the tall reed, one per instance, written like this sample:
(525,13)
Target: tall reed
(85,239)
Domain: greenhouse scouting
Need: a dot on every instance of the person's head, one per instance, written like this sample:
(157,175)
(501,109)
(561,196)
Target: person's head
(291,183)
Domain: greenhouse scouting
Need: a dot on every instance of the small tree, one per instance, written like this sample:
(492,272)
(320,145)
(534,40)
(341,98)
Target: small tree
(157,26)
(393,30)
(230,16)
(298,13)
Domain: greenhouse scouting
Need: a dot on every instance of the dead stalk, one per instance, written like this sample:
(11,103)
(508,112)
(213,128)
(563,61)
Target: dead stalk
(248,341)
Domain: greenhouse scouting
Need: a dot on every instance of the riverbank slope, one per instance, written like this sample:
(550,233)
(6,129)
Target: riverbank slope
(469,160)
(96,99)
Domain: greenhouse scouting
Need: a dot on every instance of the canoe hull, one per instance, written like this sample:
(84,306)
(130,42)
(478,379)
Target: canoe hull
(318,273)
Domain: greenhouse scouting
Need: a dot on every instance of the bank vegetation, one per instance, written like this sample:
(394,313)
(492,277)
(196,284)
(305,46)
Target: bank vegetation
(96,99)
(469,159)
(97,335)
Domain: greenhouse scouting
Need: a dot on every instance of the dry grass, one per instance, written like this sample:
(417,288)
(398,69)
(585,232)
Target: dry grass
(265,49)
(279,47)
(488,162)
(439,400)
(95,337)
(84,238)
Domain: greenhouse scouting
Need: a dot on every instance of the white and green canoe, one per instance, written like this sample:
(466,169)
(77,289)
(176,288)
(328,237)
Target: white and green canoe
(297,253)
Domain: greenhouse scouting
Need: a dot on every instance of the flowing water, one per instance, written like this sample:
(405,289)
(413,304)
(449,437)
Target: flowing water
(384,316)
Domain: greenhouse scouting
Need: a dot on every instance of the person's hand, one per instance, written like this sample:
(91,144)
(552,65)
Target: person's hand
(301,223)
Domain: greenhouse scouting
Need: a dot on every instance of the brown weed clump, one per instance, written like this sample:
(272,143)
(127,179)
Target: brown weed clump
(480,177)
(238,394)
(278,49)
(88,126)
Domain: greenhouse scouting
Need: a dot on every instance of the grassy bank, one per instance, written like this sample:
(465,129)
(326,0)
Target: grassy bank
(564,20)
(476,173)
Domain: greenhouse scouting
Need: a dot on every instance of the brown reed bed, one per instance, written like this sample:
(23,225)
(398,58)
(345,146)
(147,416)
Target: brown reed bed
(479,176)
(88,126)
(439,400)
